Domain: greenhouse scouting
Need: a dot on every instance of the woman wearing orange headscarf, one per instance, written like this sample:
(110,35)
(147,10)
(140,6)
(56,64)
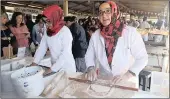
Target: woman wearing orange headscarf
(59,41)
(113,46)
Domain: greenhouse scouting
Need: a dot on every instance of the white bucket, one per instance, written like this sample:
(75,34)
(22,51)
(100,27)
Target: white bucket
(6,71)
(28,81)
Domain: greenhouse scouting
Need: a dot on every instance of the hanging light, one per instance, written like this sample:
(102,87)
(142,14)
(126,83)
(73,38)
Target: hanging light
(88,1)
(15,3)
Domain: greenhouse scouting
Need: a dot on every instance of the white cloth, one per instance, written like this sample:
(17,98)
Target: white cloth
(130,53)
(60,46)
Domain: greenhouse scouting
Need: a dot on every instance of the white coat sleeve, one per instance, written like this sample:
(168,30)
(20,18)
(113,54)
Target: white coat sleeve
(41,51)
(66,41)
(139,52)
(90,54)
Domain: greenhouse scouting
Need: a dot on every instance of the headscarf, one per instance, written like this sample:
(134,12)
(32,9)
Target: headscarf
(112,32)
(54,13)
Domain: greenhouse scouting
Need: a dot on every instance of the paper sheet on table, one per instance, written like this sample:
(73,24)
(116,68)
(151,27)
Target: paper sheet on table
(21,52)
(160,83)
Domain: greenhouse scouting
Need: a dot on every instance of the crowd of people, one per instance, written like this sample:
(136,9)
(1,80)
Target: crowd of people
(24,31)
(74,44)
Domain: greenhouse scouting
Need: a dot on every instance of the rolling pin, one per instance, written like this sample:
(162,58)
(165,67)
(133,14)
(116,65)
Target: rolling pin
(103,84)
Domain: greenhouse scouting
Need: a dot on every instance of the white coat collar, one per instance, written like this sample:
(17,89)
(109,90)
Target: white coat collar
(101,39)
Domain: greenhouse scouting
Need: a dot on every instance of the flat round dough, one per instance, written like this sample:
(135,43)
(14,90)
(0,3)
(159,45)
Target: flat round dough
(99,88)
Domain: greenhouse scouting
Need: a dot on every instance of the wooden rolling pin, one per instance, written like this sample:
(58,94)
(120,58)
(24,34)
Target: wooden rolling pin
(108,85)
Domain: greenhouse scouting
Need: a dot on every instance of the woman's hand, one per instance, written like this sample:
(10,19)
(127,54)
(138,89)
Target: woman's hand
(47,71)
(91,74)
(28,35)
(119,78)
(34,64)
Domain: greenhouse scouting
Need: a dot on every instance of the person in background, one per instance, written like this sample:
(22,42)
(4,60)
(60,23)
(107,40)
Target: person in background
(66,20)
(80,22)
(7,38)
(94,23)
(124,20)
(75,19)
(140,20)
(29,23)
(84,22)
(88,23)
(39,30)
(145,25)
(132,21)
(91,31)
(20,30)
(79,44)
(114,46)
(160,23)
(59,42)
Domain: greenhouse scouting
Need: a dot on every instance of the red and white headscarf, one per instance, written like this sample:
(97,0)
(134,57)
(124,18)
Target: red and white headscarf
(55,14)
(112,32)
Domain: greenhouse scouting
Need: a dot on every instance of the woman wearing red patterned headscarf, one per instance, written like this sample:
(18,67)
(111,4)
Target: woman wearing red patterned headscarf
(114,46)
(58,40)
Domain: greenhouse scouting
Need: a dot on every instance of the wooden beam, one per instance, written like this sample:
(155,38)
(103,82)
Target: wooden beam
(65,7)
(26,3)
(71,6)
(83,3)
(12,5)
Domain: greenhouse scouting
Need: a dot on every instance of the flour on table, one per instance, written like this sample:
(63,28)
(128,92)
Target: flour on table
(98,91)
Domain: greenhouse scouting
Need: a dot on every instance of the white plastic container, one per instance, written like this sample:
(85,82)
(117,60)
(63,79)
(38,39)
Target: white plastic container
(28,81)
(6,71)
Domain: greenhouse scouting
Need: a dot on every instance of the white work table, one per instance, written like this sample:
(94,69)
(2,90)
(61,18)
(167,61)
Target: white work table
(12,94)
(139,94)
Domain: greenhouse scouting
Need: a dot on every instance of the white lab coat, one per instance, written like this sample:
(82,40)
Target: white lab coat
(60,46)
(130,53)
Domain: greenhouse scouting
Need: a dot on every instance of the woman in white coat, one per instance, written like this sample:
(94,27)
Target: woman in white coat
(114,46)
(59,41)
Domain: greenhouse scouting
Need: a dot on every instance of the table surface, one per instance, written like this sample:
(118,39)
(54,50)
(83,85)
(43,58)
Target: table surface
(139,94)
